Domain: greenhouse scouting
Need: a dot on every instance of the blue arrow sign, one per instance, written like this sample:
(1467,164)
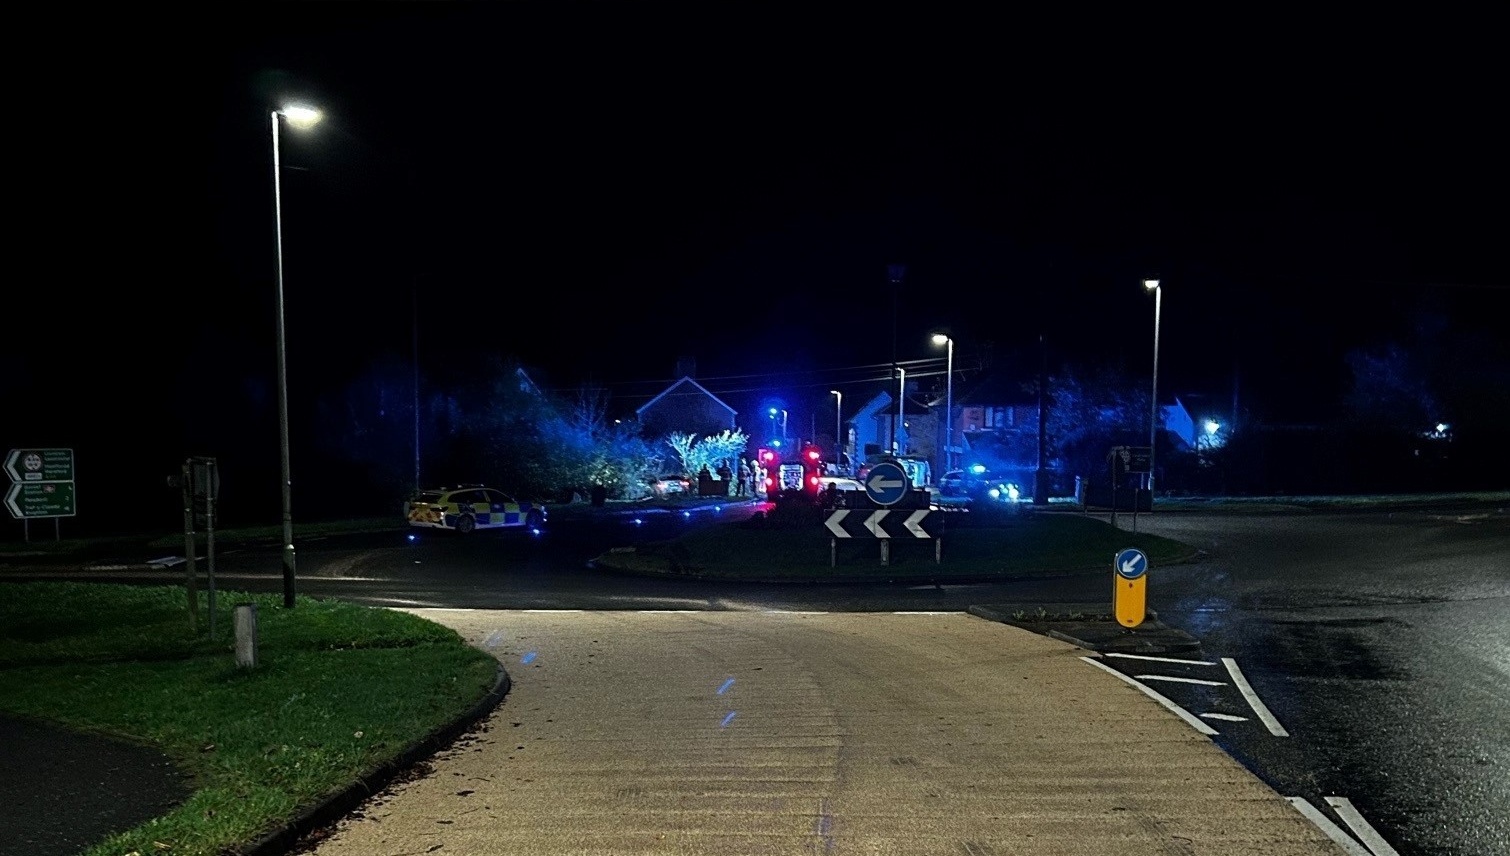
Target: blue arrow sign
(886,484)
(1130,564)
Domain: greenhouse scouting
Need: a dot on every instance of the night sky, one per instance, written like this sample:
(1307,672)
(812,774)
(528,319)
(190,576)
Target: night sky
(598,190)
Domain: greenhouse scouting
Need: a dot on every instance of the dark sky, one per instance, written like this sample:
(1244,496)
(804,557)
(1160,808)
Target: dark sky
(600,189)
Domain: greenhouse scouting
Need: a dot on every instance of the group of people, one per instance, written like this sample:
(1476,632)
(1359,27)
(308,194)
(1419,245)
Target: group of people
(751,478)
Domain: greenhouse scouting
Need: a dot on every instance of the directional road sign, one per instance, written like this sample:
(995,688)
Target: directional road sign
(887,483)
(880,524)
(1130,587)
(1131,564)
(39,465)
(40,499)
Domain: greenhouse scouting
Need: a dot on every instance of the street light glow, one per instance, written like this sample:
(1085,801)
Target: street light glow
(302,116)
(1150,284)
(1213,426)
(940,338)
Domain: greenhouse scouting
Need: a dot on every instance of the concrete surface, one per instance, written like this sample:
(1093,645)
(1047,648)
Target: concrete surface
(786,733)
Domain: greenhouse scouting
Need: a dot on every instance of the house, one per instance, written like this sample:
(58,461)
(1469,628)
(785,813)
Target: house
(687,407)
(997,423)
(875,421)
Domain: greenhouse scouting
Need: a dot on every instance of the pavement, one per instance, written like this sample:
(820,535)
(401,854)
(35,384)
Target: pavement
(984,734)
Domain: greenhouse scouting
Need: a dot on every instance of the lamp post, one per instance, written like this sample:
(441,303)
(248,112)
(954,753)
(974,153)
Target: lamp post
(298,117)
(941,339)
(838,425)
(1153,417)
(896,426)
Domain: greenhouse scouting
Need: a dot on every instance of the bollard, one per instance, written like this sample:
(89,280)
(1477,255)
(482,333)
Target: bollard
(245,619)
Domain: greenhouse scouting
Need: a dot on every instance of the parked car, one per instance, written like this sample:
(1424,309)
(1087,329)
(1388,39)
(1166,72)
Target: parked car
(671,485)
(977,484)
(467,508)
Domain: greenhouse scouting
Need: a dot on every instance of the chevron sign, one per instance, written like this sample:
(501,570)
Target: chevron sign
(865,523)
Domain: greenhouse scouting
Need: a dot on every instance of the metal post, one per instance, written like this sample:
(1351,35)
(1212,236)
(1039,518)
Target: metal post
(287,486)
(211,480)
(186,477)
(838,428)
(1153,420)
(417,486)
(938,550)
(26,529)
(57,529)
(949,411)
(896,426)
(1040,484)
(833,552)
(885,552)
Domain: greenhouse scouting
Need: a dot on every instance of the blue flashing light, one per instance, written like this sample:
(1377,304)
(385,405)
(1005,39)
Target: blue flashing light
(687,514)
(977,468)
(638,521)
(413,537)
(718,508)
(528,658)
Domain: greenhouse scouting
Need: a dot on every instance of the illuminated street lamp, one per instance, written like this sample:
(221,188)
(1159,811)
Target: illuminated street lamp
(838,425)
(1153,419)
(299,117)
(941,339)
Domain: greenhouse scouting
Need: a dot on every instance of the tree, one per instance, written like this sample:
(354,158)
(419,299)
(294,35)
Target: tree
(710,451)
(1391,391)
(1093,409)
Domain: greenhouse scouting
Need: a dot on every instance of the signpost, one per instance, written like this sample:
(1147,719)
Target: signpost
(1125,460)
(1130,587)
(887,483)
(42,486)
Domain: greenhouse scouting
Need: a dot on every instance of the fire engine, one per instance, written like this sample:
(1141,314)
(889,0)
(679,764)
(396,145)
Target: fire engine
(792,479)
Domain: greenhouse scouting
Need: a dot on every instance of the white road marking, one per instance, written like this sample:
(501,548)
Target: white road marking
(1361,828)
(1331,829)
(1253,700)
(548,611)
(1176,709)
(1160,659)
(1173,679)
(1225,717)
(926,612)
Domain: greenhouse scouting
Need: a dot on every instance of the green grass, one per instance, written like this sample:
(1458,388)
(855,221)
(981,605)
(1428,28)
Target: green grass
(115,545)
(339,690)
(1249,504)
(1013,546)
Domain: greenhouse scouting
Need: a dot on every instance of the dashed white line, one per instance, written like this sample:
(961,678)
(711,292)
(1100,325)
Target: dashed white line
(1332,830)
(1175,680)
(1176,709)
(1225,717)
(1253,700)
(1361,828)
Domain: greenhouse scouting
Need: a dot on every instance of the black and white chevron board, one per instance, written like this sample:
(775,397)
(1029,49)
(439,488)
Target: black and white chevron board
(865,523)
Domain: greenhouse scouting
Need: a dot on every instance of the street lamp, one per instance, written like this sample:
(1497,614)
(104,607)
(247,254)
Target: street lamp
(896,426)
(838,425)
(941,339)
(1153,418)
(300,117)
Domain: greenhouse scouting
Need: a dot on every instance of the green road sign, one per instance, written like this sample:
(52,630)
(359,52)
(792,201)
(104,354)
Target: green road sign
(39,465)
(45,499)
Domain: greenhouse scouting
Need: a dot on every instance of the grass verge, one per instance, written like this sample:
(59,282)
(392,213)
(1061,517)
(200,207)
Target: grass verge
(117,545)
(797,549)
(338,691)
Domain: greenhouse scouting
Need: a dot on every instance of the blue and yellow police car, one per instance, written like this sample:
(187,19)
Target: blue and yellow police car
(467,508)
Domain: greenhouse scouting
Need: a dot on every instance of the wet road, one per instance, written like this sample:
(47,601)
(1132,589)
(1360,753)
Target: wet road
(1377,646)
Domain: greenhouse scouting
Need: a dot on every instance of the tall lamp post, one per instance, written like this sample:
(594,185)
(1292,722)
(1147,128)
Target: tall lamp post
(941,339)
(838,425)
(298,117)
(1153,417)
(896,427)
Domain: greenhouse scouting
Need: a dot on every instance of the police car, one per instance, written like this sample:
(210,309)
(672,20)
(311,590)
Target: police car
(467,508)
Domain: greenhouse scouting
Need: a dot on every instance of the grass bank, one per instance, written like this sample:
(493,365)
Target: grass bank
(796,549)
(153,544)
(339,690)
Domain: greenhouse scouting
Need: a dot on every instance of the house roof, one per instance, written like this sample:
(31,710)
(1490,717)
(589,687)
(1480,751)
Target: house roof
(994,389)
(672,388)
